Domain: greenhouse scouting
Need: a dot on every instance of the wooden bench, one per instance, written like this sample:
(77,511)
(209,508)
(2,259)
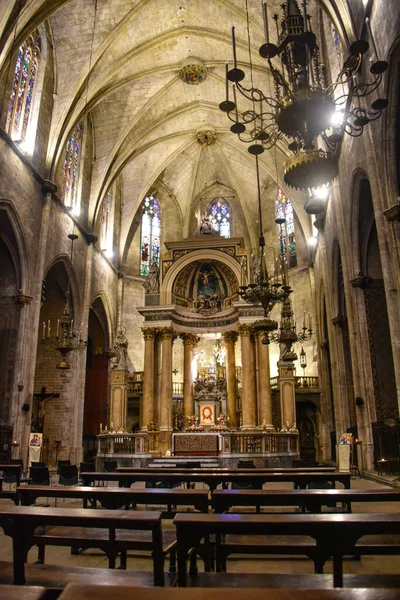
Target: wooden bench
(311,500)
(335,535)
(88,592)
(10,592)
(257,480)
(114,498)
(20,523)
(226,470)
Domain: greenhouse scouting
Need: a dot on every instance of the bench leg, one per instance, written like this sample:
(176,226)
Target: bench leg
(337,570)
(172,562)
(41,554)
(75,549)
(193,571)
(19,554)
(123,559)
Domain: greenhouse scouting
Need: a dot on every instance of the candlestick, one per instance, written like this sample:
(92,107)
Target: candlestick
(48,328)
(58,327)
(305,15)
(234,99)
(309,321)
(234,47)
(44,330)
(264,10)
(226,81)
(304,320)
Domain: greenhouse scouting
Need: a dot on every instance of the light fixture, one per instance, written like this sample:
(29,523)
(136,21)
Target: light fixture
(265,291)
(288,335)
(305,107)
(67,339)
(303,360)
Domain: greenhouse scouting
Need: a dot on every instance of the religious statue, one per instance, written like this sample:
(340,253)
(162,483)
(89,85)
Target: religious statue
(256,263)
(121,349)
(152,283)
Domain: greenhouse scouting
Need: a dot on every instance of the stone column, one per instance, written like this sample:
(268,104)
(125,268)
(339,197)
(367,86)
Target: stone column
(265,397)
(230,339)
(118,400)
(189,342)
(287,393)
(248,384)
(146,413)
(157,376)
(166,379)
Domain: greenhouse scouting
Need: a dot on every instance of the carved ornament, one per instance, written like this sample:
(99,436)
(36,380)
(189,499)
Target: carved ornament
(148,333)
(246,330)
(190,339)
(230,337)
(393,213)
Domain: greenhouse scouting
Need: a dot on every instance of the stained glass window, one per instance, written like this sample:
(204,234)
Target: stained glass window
(20,104)
(106,240)
(221,217)
(286,234)
(71,166)
(150,234)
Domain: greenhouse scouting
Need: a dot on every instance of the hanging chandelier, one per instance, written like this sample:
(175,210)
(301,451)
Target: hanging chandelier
(287,331)
(67,339)
(304,107)
(265,291)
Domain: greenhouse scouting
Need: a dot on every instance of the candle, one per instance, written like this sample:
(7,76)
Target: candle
(264,10)
(101,427)
(58,327)
(48,329)
(234,99)
(304,320)
(44,330)
(234,47)
(309,321)
(305,15)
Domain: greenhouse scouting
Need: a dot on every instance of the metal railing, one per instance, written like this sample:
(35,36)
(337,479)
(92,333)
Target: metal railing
(122,443)
(260,443)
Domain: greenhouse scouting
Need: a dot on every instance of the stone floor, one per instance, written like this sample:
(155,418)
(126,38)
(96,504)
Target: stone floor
(245,564)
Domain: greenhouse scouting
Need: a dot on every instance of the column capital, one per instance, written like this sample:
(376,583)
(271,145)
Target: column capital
(245,330)
(148,333)
(167,333)
(190,339)
(230,337)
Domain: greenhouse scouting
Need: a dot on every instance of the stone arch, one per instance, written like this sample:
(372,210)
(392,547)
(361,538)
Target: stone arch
(391,123)
(203,255)
(16,241)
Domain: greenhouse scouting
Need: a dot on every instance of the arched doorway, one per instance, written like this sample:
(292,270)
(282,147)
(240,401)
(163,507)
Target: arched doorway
(96,383)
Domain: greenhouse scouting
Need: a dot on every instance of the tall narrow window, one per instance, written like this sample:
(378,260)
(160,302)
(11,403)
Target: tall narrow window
(150,234)
(221,217)
(19,107)
(286,235)
(71,166)
(106,227)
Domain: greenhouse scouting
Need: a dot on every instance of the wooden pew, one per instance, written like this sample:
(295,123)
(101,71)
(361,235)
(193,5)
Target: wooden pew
(300,480)
(10,592)
(335,535)
(90,592)
(20,522)
(118,497)
(312,500)
(226,470)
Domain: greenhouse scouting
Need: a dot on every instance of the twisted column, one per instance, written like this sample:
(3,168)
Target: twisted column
(167,335)
(189,342)
(146,412)
(230,338)
(248,378)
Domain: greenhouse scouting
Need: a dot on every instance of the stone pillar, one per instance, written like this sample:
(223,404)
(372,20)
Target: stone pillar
(287,394)
(265,397)
(189,342)
(157,377)
(118,399)
(230,339)
(166,379)
(146,412)
(248,383)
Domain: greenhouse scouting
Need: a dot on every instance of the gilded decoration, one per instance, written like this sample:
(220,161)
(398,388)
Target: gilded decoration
(148,333)
(190,339)
(206,138)
(230,337)
(193,74)
(167,333)
(246,330)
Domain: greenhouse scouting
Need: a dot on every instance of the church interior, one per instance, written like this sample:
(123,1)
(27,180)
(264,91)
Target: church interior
(199,278)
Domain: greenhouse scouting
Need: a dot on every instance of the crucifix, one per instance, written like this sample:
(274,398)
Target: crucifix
(38,411)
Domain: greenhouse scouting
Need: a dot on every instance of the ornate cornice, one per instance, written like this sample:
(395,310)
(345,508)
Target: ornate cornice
(230,337)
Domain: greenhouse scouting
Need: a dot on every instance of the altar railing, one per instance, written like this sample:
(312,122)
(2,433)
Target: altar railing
(123,443)
(259,443)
